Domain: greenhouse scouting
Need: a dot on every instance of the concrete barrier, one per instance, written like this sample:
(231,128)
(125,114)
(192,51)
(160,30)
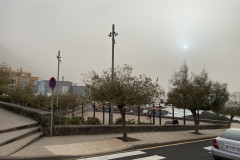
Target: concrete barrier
(43,117)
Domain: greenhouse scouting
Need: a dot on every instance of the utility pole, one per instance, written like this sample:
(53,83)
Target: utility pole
(59,60)
(112,34)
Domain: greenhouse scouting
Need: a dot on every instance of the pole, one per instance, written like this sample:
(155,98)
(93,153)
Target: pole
(153,116)
(112,34)
(94,110)
(160,114)
(103,113)
(184,117)
(58,57)
(198,116)
(138,115)
(173,114)
(82,109)
(109,115)
(51,127)
(113,40)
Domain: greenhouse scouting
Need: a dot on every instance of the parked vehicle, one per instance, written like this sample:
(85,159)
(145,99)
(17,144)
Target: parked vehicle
(227,145)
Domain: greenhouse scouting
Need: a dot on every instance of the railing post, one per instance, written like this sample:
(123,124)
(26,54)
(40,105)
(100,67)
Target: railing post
(94,109)
(138,115)
(160,114)
(103,113)
(184,117)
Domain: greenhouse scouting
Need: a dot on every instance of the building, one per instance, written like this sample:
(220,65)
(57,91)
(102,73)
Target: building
(64,87)
(79,90)
(43,87)
(20,78)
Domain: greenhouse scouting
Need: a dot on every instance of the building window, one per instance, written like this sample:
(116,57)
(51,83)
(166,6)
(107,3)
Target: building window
(12,86)
(22,87)
(33,82)
(13,80)
(23,81)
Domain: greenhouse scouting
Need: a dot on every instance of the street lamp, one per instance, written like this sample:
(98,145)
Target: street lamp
(59,60)
(112,34)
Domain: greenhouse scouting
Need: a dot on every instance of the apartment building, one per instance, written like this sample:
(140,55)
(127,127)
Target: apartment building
(20,78)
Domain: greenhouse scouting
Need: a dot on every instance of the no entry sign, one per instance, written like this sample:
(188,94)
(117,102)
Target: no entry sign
(52,83)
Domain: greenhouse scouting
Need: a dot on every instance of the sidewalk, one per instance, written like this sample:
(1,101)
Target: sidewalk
(60,147)
(84,145)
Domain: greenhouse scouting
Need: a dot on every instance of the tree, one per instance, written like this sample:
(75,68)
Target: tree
(232,107)
(196,92)
(4,75)
(124,89)
(41,102)
(69,101)
(4,79)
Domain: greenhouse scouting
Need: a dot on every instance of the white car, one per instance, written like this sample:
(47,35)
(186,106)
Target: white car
(227,145)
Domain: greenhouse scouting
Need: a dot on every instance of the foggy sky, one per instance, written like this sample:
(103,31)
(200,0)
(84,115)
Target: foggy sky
(154,37)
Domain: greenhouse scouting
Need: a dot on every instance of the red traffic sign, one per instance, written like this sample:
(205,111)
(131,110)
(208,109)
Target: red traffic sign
(52,83)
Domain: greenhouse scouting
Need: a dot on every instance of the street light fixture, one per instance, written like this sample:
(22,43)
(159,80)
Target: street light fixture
(112,34)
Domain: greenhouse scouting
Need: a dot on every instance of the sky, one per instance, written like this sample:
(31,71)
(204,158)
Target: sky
(155,37)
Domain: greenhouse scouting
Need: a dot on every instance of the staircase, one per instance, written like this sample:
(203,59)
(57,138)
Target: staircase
(15,138)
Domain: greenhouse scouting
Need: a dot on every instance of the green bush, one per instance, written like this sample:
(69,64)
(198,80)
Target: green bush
(59,120)
(129,121)
(118,121)
(5,98)
(219,117)
(146,123)
(93,121)
(75,121)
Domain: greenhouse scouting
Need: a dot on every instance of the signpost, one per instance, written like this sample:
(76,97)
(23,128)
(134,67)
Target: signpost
(52,84)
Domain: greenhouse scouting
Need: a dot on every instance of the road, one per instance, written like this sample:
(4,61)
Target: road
(197,150)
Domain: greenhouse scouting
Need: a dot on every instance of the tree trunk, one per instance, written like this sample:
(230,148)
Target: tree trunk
(123,123)
(230,121)
(195,120)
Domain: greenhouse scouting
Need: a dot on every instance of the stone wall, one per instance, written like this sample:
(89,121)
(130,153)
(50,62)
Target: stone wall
(43,117)
(60,130)
(201,120)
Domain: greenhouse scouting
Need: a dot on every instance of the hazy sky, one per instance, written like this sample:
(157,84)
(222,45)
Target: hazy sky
(154,37)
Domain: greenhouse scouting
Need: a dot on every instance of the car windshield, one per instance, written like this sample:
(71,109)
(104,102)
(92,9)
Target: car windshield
(231,134)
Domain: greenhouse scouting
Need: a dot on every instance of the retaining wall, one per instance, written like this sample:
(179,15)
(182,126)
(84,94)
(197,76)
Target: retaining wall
(60,130)
(43,117)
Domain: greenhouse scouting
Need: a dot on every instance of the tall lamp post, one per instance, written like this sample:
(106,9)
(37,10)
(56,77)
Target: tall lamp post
(59,60)
(112,34)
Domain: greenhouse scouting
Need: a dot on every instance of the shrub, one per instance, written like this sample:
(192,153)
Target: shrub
(5,98)
(93,121)
(219,117)
(129,121)
(146,123)
(59,120)
(75,121)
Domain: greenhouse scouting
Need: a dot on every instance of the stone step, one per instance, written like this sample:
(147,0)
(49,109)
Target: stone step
(33,124)
(10,148)
(11,136)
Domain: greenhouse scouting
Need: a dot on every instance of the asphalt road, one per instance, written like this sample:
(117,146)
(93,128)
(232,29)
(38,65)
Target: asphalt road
(199,150)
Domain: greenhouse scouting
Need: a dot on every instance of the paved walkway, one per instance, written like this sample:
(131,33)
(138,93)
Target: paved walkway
(83,145)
